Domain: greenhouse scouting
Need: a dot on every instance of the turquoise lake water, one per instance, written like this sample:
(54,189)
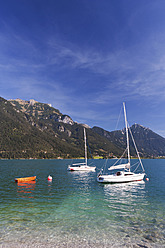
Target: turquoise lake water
(74,210)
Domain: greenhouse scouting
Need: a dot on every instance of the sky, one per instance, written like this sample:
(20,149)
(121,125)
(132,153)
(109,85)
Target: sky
(86,58)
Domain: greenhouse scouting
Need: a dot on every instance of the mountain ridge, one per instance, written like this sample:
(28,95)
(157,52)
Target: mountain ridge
(148,142)
(30,129)
(52,134)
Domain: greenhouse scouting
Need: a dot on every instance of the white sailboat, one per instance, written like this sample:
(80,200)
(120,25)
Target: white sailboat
(125,175)
(82,166)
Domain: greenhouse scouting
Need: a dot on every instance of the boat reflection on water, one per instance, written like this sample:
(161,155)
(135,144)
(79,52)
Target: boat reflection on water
(125,193)
(81,175)
(124,188)
(81,179)
(25,189)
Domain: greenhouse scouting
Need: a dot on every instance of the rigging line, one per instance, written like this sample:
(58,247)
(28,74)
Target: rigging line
(120,157)
(134,164)
(90,163)
(118,118)
(138,163)
(137,167)
(105,164)
(103,168)
(135,146)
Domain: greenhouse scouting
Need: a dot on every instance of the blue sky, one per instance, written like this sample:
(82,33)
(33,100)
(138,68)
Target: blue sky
(86,57)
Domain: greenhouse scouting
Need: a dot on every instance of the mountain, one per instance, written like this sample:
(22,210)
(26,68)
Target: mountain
(149,144)
(21,137)
(29,129)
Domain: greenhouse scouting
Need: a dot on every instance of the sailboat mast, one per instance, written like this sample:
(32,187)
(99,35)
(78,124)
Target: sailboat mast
(85,146)
(126,126)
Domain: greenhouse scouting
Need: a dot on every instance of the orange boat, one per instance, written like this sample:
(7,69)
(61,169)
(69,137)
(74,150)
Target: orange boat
(25,179)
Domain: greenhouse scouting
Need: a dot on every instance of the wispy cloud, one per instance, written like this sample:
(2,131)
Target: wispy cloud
(133,72)
(45,71)
(130,73)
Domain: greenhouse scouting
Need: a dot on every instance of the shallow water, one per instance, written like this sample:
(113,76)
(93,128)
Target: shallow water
(74,210)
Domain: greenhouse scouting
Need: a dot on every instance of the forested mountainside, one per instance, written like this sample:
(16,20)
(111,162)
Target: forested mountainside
(29,129)
(149,144)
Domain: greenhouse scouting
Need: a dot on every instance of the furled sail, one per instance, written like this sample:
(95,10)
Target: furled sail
(119,166)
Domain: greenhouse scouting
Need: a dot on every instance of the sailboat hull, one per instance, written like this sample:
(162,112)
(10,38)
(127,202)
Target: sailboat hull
(81,168)
(123,178)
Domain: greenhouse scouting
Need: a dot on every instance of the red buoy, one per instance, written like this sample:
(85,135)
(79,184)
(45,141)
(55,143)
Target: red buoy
(49,178)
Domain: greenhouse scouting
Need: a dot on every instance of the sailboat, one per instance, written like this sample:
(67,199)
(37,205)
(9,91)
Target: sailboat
(124,173)
(82,166)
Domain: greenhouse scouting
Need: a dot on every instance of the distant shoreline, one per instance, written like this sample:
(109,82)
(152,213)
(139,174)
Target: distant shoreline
(69,158)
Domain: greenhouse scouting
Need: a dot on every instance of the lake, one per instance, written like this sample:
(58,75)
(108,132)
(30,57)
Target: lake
(74,210)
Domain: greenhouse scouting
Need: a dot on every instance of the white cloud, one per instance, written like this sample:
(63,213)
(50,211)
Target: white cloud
(131,74)
(133,71)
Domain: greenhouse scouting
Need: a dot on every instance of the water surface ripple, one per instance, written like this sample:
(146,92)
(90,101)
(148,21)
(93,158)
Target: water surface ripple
(74,210)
